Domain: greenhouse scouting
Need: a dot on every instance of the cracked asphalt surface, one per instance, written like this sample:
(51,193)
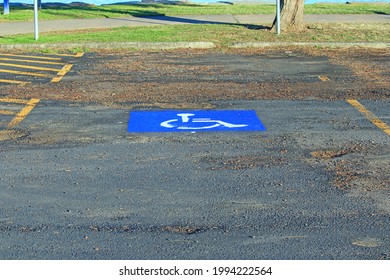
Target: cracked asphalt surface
(315,185)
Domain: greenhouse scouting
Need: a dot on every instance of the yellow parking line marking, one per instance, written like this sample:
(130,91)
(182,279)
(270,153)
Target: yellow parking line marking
(324,78)
(31,61)
(15,58)
(24,73)
(65,69)
(369,115)
(13,82)
(62,73)
(72,55)
(12,100)
(29,67)
(31,56)
(24,112)
(6,112)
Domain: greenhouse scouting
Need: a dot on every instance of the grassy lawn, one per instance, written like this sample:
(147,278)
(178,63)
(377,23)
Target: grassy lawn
(222,35)
(18,13)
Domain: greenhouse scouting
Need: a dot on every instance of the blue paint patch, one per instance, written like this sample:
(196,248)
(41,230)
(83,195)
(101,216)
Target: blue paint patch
(192,121)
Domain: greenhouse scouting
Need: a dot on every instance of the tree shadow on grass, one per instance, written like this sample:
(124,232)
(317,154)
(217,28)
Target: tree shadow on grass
(380,13)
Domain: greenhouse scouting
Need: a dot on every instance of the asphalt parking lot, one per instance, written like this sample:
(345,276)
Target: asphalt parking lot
(313,185)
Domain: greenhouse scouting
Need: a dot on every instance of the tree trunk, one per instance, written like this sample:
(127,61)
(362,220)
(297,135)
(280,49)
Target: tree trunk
(291,16)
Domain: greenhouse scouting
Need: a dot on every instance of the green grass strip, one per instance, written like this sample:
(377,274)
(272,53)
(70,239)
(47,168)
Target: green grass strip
(221,35)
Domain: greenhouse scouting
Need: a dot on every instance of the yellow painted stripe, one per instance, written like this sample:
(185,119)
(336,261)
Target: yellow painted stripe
(56,79)
(31,56)
(369,115)
(13,100)
(324,78)
(24,73)
(24,112)
(62,73)
(6,112)
(72,55)
(32,61)
(13,82)
(65,69)
(29,67)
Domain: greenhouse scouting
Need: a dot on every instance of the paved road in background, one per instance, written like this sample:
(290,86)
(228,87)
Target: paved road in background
(76,185)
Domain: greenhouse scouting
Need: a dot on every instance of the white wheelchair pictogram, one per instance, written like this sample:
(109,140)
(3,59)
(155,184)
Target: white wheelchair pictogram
(185,122)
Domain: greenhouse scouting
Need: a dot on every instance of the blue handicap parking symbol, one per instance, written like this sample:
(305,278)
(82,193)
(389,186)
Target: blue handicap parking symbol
(191,121)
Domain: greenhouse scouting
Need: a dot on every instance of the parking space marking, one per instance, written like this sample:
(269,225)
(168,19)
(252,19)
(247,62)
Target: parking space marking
(30,67)
(324,78)
(30,56)
(31,61)
(30,104)
(13,100)
(13,82)
(62,73)
(370,116)
(72,55)
(14,64)
(24,73)
(6,112)
(194,120)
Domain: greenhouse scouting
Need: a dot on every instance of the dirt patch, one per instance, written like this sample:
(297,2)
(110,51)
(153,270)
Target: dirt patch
(182,229)
(372,70)
(11,134)
(363,166)
(365,173)
(193,78)
(328,154)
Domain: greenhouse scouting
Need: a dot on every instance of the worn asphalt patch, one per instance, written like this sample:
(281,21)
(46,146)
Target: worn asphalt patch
(181,77)
(79,186)
(314,185)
